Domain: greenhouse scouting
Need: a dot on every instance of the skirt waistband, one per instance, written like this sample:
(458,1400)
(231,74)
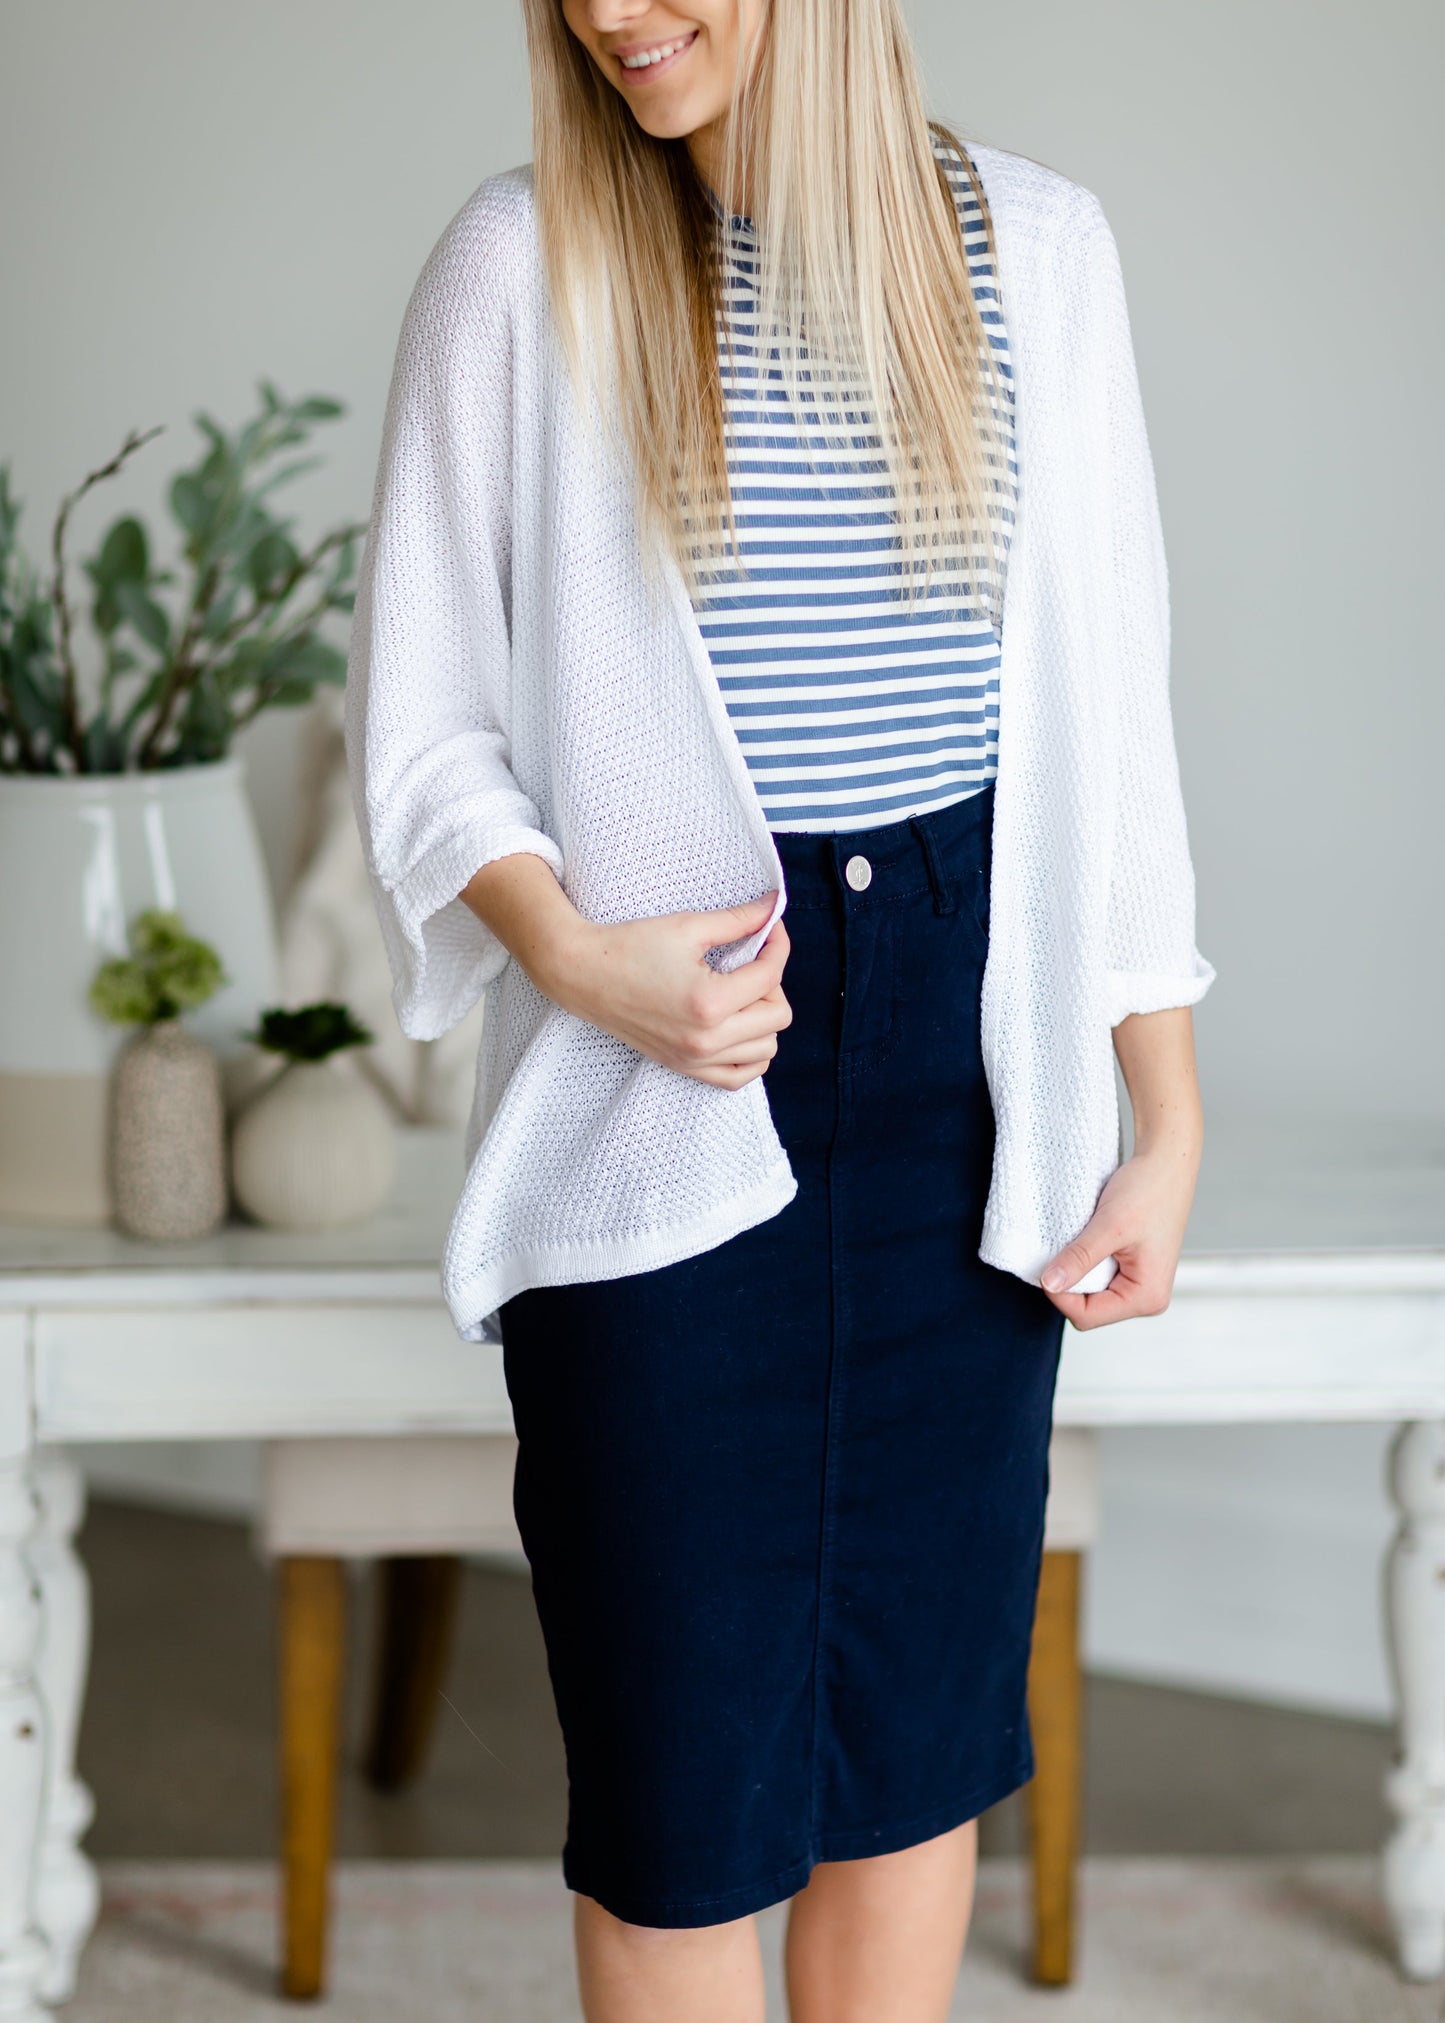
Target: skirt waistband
(940,852)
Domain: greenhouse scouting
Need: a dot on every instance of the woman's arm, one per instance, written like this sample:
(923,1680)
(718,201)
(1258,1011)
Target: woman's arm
(1143,1209)
(647,982)
(430,674)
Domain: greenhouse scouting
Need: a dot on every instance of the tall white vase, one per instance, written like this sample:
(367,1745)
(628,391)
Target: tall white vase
(79,858)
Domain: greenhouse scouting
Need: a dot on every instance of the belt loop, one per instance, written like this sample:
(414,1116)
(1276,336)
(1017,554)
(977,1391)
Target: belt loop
(945,899)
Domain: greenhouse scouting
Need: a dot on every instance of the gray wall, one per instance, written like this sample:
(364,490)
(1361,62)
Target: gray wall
(1272,170)
(193,195)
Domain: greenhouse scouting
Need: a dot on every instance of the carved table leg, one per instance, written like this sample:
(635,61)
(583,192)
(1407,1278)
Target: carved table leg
(68,1892)
(22,1753)
(1414,1867)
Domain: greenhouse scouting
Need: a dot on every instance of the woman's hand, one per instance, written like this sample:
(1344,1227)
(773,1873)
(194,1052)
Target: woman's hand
(1141,1214)
(647,982)
(1140,1223)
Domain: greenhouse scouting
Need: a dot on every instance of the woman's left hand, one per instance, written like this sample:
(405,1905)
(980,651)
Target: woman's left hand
(1139,1222)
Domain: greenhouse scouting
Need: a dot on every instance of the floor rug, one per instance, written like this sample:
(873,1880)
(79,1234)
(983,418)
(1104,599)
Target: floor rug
(1163,1941)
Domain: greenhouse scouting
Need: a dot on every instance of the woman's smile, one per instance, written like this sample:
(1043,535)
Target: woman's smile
(642,63)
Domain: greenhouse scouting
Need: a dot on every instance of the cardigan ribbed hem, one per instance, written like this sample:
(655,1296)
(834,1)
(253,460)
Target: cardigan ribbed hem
(1022,1254)
(474,1303)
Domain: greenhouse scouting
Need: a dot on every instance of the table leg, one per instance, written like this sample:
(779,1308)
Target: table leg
(1414,1866)
(22,1755)
(68,1891)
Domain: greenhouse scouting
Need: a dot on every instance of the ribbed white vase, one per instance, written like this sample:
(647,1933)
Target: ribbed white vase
(316,1149)
(81,856)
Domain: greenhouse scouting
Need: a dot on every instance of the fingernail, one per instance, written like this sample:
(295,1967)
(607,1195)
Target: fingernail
(1053,1279)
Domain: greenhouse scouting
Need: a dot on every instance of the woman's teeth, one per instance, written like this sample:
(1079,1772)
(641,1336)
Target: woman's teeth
(645,56)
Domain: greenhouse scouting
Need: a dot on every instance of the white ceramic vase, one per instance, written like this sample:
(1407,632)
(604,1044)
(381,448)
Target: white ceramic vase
(315,1149)
(81,856)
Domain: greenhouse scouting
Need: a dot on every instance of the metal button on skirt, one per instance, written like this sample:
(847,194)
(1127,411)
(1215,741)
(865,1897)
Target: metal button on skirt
(783,1501)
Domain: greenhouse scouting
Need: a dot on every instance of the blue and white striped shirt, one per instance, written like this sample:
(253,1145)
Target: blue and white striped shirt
(851,711)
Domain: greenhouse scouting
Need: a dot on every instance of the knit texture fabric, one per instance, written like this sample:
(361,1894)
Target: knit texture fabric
(517,684)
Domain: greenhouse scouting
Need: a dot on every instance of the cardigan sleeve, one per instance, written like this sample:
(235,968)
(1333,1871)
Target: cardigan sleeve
(428,693)
(1151,959)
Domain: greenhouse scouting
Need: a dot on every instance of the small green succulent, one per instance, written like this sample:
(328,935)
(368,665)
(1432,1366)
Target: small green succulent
(310,1033)
(166,973)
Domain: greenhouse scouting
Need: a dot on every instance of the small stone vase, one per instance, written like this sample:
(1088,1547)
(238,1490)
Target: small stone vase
(316,1149)
(168,1136)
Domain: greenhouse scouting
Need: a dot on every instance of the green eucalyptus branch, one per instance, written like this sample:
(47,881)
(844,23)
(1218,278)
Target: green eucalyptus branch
(306,565)
(63,640)
(180,670)
(181,674)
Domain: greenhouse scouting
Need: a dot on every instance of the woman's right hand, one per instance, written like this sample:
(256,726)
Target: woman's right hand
(647,982)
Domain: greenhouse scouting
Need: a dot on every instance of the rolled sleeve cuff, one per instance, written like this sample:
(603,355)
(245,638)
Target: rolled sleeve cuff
(446,957)
(1132,990)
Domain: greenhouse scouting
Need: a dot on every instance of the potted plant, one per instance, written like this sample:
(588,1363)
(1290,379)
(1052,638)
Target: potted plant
(315,1149)
(118,791)
(168,1121)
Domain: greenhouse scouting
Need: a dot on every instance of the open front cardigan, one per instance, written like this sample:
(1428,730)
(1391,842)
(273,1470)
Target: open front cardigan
(516,684)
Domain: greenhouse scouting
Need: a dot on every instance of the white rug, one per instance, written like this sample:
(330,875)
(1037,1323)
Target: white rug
(481,1942)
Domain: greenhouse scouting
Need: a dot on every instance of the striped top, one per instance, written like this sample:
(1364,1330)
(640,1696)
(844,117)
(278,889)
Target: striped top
(850,711)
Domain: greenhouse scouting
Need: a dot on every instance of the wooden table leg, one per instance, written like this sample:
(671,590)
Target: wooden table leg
(1414,1869)
(1055,1796)
(418,1606)
(312,1639)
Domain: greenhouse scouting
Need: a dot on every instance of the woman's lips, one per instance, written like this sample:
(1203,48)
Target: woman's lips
(646,72)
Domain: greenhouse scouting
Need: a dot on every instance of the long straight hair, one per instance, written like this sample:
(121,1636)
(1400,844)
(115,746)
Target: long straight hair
(864,294)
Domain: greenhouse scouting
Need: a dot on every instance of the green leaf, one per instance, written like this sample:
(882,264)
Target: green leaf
(318,407)
(311,1032)
(36,698)
(285,475)
(306,658)
(123,556)
(205,728)
(104,746)
(222,612)
(147,617)
(9,513)
(167,972)
(189,502)
(270,562)
(149,696)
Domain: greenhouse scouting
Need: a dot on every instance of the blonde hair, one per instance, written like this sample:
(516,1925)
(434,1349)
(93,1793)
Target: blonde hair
(862,276)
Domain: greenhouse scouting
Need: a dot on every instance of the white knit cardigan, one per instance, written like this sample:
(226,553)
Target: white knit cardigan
(515,686)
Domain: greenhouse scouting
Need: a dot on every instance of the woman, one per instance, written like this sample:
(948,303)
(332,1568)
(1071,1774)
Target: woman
(765,521)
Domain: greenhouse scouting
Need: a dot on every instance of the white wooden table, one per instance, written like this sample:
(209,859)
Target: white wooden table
(1313,1288)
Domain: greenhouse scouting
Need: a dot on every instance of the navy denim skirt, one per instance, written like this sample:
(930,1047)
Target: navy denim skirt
(783,1502)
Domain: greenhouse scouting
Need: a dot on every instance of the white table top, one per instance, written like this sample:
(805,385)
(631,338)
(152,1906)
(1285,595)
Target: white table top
(1286,1196)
